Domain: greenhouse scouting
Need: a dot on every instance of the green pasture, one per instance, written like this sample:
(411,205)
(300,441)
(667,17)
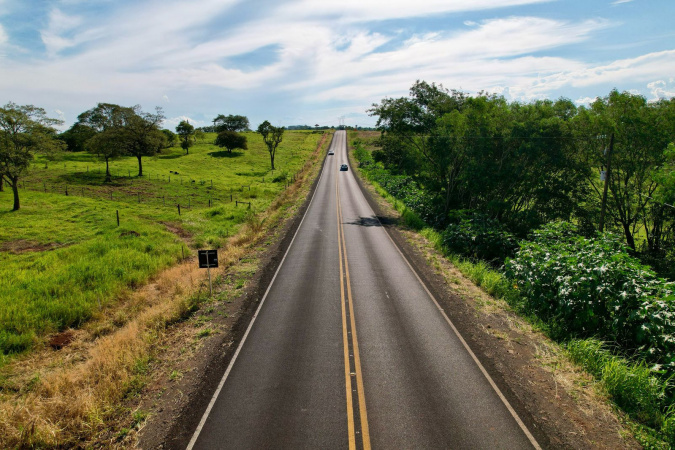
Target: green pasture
(63,257)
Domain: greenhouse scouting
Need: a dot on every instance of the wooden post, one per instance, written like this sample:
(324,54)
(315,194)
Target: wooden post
(179,209)
(66,190)
(45,185)
(118,217)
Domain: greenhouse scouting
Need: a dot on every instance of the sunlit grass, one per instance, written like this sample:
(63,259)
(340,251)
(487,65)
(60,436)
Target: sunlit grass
(62,258)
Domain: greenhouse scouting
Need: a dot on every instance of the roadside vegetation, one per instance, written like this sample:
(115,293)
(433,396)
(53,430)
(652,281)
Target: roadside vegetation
(513,195)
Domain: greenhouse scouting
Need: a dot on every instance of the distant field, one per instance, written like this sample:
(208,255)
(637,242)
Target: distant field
(63,258)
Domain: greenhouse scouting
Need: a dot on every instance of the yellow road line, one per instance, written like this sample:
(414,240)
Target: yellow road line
(365,434)
(345,338)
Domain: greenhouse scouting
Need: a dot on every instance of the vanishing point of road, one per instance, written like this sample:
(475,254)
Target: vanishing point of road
(349,349)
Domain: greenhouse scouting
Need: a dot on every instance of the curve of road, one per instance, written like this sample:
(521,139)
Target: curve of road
(348,349)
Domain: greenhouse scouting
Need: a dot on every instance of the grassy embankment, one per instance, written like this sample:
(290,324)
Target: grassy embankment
(631,385)
(63,259)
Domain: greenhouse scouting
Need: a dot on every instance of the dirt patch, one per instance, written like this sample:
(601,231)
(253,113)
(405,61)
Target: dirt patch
(24,246)
(179,231)
(60,340)
(557,400)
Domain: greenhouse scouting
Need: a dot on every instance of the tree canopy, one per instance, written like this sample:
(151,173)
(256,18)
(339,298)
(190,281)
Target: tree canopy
(272,137)
(186,135)
(24,130)
(230,123)
(231,140)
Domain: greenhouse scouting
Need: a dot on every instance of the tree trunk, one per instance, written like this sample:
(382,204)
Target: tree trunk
(629,236)
(108,178)
(140,166)
(15,188)
(272,159)
(2,184)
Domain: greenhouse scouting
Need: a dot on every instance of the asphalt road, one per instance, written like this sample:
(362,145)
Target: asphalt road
(349,349)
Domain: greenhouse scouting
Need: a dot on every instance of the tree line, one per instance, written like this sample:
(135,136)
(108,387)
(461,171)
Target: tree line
(606,166)
(109,131)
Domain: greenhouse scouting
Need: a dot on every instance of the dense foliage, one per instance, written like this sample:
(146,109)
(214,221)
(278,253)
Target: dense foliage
(526,165)
(593,287)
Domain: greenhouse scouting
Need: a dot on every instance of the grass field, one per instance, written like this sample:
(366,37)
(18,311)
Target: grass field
(63,258)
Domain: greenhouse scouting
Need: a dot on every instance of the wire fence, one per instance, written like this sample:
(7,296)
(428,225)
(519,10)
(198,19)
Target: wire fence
(148,190)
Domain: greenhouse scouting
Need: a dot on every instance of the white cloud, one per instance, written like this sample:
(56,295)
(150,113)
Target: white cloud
(172,122)
(165,98)
(59,24)
(618,2)
(4,38)
(659,89)
(585,100)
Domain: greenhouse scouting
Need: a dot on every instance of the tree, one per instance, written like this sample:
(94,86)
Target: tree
(230,123)
(231,140)
(140,135)
(170,137)
(106,145)
(638,150)
(186,134)
(106,118)
(24,130)
(76,136)
(272,137)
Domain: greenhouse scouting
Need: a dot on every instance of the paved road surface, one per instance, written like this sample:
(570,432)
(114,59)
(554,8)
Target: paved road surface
(349,350)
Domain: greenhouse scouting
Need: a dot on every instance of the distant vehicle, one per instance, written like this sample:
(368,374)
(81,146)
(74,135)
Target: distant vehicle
(331,152)
(344,167)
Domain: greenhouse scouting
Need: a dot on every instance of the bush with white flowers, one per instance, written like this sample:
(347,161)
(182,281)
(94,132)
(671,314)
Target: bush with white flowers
(594,287)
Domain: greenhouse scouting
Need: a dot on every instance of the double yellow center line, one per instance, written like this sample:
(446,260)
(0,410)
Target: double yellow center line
(357,429)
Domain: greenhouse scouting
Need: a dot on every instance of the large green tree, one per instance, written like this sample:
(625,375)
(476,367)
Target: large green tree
(141,135)
(637,150)
(106,145)
(231,140)
(24,131)
(272,137)
(106,121)
(230,123)
(186,135)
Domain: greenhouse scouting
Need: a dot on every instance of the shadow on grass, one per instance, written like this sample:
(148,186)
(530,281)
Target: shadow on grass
(225,154)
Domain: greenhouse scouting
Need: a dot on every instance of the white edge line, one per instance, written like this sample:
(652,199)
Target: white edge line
(518,420)
(199,428)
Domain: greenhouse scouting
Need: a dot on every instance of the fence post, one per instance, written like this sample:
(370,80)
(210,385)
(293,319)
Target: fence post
(66,190)
(118,217)
(179,209)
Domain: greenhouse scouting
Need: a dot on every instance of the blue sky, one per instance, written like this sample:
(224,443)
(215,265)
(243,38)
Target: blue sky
(303,62)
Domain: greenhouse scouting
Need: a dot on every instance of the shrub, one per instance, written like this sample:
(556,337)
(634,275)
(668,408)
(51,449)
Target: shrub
(593,287)
(480,237)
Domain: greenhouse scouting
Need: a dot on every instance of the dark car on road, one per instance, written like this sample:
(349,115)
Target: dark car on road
(344,167)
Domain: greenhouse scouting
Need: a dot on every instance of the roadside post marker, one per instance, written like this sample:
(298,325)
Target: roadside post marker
(208,259)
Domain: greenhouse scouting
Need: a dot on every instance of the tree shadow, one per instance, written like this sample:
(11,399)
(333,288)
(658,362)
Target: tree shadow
(373,221)
(225,154)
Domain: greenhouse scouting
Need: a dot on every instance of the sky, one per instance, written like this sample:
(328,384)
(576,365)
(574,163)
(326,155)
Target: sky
(296,62)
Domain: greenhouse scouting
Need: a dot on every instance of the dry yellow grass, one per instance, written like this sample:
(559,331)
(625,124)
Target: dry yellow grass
(68,398)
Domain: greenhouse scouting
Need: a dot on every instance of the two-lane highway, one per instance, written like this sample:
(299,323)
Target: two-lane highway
(348,349)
